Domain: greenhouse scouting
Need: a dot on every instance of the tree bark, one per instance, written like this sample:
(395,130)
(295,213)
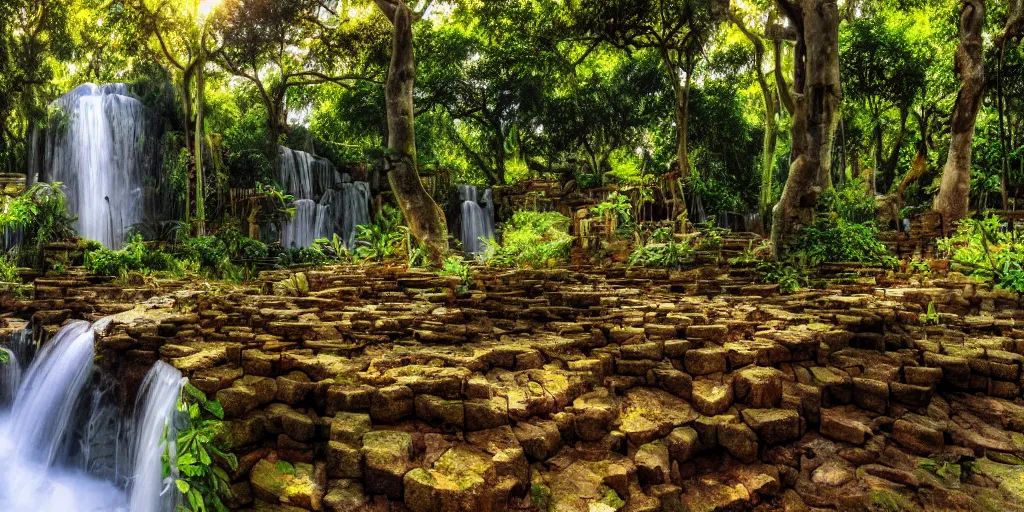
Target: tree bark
(199,132)
(953,199)
(817,94)
(424,217)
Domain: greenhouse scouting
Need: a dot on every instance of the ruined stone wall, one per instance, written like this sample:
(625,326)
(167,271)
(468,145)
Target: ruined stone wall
(559,390)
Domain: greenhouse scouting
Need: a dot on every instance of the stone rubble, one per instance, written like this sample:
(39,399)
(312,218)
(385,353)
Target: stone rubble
(380,388)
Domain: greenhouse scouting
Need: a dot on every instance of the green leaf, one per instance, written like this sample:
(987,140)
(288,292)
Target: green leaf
(285,467)
(183,486)
(194,392)
(214,408)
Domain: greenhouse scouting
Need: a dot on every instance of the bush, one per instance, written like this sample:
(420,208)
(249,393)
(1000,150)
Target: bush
(9,270)
(41,213)
(981,249)
(294,256)
(531,239)
(832,239)
(241,247)
(382,239)
(852,202)
(454,266)
(844,230)
(208,251)
(135,257)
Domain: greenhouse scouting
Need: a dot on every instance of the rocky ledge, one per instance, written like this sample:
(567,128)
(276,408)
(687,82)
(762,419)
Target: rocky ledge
(374,388)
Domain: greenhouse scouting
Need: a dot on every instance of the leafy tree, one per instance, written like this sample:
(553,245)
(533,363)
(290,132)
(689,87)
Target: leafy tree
(677,29)
(882,71)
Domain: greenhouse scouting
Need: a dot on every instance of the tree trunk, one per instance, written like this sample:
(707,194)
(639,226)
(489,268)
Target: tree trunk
(682,155)
(199,132)
(424,217)
(816,105)
(953,198)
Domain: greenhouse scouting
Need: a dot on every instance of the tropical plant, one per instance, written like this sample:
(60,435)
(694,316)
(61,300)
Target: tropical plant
(786,274)
(333,248)
(8,270)
(202,461)
(531,239)
(41,215)
(382,238)
(454,266)
(987,252)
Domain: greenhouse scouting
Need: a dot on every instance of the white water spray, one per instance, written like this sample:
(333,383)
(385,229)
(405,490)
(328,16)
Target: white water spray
(97,149)
(477,218)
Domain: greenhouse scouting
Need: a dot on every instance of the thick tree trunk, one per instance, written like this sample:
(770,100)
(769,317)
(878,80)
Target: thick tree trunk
(953,198)
(816,105)
(424,217)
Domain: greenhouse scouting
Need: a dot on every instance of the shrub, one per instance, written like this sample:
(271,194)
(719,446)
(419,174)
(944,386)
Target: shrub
(135,257)
(9,270)
(662,250)
(41,213)
(833,239)
(454,266)
(981,249)
(852,202)
(294,256)
(531,239)
(202,461)
(844,230)
(381,239)
(241,247)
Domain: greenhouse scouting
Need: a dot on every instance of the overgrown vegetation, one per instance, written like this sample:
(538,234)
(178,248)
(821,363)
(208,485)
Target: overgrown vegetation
(39,216)
(531,239)
(843,230)
(662,250)
(381,239)
(202,461)
(988,250)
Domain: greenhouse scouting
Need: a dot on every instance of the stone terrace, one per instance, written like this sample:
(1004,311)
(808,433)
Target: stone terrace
(583,391)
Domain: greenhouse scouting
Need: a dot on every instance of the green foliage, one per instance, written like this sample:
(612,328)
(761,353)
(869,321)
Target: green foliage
(334,248)
(984,251)
(136,256)
(8,270)
(844,230)
(851,202)
(670,254)
(41,213)
(247,149)
(931,317)
(617,204)
(202,461)
(454,266)
(301,256)
(837,240)
(955,471)
(783,273)
(241,247)
(919,266)
(753,253)
(531,239)
(381,239)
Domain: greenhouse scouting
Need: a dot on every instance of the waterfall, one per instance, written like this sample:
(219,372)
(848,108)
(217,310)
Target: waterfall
(344,209)
(300,231)
(477,218)
(100,148)
(40,416)
(326,202)
(10,376)
(62,415)
(155,416)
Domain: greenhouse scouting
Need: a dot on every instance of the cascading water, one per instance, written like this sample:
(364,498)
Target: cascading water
(99,149)
(300,231)
(46,464)
(155,417)
(477,218)
(343,209)
(10,376)
(339,204)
